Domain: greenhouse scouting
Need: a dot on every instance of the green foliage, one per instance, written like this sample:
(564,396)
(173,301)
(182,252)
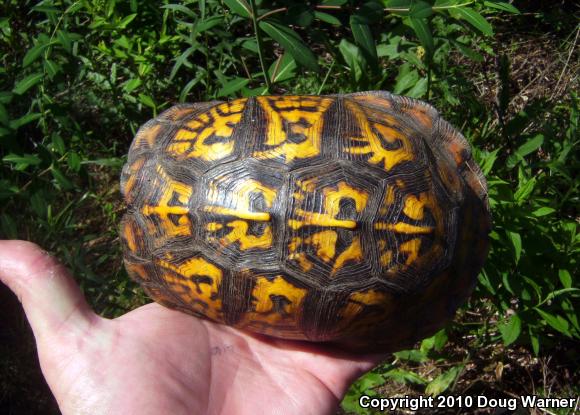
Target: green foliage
(78,77)
(536,245)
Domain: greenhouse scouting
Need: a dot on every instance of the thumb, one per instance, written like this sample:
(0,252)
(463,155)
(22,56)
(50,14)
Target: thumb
(51,298)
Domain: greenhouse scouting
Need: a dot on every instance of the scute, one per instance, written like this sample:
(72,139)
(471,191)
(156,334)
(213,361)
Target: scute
(237,210)
(360,220)
(330,211)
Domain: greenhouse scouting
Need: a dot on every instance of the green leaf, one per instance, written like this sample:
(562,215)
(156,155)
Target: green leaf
(110,7)
(251,45)
(406,79)
(61,179)
(5,97)
(364,38)
(34,53)
(52,68)
(442,382)
(556,322)
(125,22)
(440,340)
(389,51)
(353,58)
(66,39)
(327,18)
(565,278)
(420,9)
(435,342)
(74,161)
(516,241)
(421,28)
(233,86)
(148,101)
(240,7)
(180,8)
(181,60)
(123,42)
(557,293)
(283,69)
(350,402)
(46,9)
(510,330)
(484,280)
(500,5)
(525,189)
(370,380)
(530,146)
(419,89)
(475,19)
(25,84)
(404,377)
(25,119)
(543,211)
(58,144)
(470,53)
(487,160)
(131,85)
(208,23)
(189,86)
(535,340)
(254,92)
(413,355)
(24,160)
(292,43)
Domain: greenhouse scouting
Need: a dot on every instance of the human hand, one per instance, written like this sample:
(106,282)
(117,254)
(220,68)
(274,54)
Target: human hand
(154,360)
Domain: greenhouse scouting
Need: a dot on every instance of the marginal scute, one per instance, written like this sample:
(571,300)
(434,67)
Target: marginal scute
(276,304)
(360,220)
(196,283)
(458,148)
(362,308)
(208,136)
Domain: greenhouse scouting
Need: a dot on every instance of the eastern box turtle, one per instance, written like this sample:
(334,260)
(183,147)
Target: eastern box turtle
(360,219)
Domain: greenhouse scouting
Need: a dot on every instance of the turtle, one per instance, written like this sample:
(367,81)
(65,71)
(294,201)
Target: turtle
(356,220)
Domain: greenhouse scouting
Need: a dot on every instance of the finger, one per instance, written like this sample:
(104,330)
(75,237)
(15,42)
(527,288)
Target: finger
(51,298)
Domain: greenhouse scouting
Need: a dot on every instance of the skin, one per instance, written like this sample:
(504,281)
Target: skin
(154,360)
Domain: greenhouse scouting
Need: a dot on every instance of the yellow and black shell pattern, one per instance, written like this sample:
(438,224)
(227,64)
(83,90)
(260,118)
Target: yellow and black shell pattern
(360,219)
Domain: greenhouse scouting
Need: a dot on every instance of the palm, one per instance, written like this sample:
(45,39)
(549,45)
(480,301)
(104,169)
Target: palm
(155,360)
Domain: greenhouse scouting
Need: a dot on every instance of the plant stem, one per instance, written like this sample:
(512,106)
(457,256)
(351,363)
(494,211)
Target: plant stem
(429,79)
(271,12)
(260,45)
(326,77)
(406,9)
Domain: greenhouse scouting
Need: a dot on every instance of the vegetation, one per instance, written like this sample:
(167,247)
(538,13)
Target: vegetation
(78,78)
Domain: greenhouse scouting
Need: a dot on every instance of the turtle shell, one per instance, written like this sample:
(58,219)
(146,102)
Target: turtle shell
(360,219)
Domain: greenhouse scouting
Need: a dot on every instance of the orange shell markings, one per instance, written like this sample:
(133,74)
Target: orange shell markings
(359,220)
